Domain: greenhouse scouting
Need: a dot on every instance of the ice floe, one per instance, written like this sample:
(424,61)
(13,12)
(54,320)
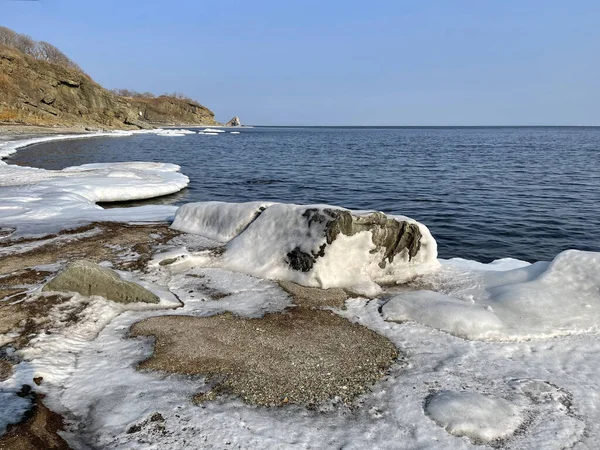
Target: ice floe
(173,132)
(38,201)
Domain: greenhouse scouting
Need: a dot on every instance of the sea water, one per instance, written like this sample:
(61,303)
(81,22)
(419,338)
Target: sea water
(485,193)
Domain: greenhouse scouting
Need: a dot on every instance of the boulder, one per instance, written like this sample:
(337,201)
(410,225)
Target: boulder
(88,278)
(235,122)
(317,246)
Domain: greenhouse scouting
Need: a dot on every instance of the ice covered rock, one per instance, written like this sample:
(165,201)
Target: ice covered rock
(87,279)
(540,300)
(319,246)
(481,418)
(217,220)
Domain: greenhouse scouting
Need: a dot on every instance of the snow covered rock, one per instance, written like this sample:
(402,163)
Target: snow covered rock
(481,418)
(87,278)
(219,221)
(320,246)
(541,300)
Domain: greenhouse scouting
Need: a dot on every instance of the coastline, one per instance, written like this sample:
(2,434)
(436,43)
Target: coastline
(446,338)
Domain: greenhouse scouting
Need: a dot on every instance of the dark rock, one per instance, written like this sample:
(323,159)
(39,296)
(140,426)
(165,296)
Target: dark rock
(392,235)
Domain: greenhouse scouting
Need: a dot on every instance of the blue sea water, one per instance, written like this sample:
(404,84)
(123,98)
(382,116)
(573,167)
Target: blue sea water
(485,193)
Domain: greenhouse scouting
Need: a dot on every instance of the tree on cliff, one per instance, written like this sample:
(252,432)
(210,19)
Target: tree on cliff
(38,49)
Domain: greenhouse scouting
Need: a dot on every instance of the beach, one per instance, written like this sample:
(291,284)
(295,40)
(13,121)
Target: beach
(248,338)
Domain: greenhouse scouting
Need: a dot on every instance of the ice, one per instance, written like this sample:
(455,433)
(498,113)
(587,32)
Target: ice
(482,418)
(12,407)
(483,391)
(260,245)
(173,132)
(541,300)
(455,316)
(38,201)
(217,220)
(212,130)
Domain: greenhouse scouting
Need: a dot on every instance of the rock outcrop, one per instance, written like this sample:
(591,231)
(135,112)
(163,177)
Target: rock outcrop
(87,278)
(318,246)
(36,92)
(235,122)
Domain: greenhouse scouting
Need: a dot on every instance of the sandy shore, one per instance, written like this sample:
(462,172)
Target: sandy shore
(14,132)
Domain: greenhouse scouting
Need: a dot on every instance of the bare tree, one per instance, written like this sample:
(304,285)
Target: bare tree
(7,36)
(39,50)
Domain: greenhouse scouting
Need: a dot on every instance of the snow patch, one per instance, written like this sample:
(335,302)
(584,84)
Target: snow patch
(481,418)
(540,300)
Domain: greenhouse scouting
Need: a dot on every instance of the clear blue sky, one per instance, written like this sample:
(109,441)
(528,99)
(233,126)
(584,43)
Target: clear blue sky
(434,62)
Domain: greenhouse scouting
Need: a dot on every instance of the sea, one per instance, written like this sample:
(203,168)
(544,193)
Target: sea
(484,192)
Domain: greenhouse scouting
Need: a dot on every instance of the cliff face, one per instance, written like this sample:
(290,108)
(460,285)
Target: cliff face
(167,110)
(40,93)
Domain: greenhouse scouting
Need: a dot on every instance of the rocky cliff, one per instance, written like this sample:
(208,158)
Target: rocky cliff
(42,93)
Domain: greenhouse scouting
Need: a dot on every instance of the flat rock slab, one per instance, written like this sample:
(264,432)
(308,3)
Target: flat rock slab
(315,297)
(306,356)
(87,278)
(6,370)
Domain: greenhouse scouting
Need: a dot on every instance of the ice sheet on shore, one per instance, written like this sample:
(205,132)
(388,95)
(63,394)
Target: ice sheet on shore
(37,201)
(541,300)
(485,379)
(294,242)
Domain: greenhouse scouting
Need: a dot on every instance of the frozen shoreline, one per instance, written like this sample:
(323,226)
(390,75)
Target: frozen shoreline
(503,354)
(59,199)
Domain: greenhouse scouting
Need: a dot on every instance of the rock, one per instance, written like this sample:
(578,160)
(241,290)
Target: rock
(388,234)
(235,122)
(87,278)
(330,247)
(35,91)
(6,370)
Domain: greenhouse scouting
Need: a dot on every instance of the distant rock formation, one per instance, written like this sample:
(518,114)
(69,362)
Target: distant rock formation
(235,122)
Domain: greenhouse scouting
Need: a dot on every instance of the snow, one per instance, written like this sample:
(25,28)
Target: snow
(482,418)
(259,247)
(531,394)
(217,220)
(535,301)
(234,132)
(38,201)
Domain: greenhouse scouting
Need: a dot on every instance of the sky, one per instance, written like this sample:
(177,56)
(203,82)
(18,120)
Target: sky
(434,62)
